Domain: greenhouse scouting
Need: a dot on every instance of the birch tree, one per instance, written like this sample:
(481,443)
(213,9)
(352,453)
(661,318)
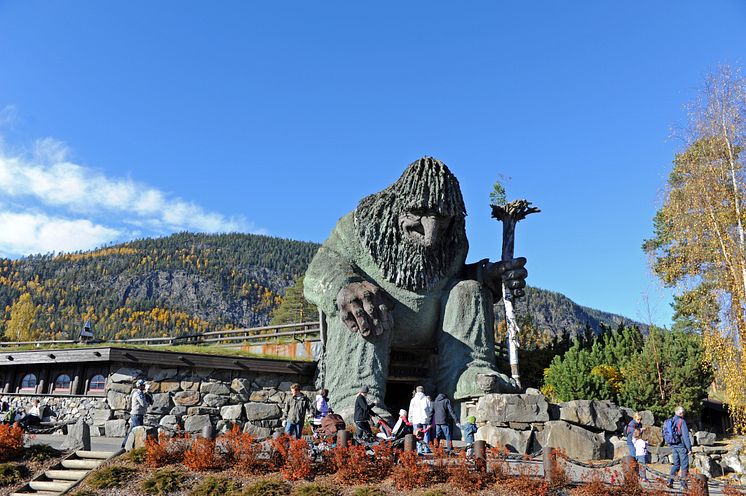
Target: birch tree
(699,247)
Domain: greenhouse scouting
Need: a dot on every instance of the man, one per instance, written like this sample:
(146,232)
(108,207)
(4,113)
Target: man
(420,413)
(681,449)
(139,401)
(443,415)
(296,407)
(363,432)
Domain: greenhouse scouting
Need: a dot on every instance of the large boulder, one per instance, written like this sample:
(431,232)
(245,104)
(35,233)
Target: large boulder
(231,412)
(653,435)
(515,441)
(617,447)
(214,400)
(262,411)
(125,374)
(704,438)
(161,403)
(707,466)
(195,423)
(214,388)
(138,436)
(187,398)
(503,408)
(578,443)
(115,428)
(257,432)
(78,437)
(117,401)
(596,414)
(240,390)
(99,416)
(156,373)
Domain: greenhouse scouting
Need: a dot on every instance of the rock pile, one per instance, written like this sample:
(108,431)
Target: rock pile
(585,429)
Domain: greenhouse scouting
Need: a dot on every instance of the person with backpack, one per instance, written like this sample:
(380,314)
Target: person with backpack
(676,435)
(635,423)
(443,415)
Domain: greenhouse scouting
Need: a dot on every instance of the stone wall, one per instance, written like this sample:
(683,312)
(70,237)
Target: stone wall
(191,398)
(586,430)
(67,409)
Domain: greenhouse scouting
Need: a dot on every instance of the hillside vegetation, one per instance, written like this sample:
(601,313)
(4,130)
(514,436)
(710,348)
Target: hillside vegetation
(188,283)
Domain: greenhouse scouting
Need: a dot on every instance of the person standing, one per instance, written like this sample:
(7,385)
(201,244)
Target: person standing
(641,452)
(420,411)
(676,435)
(139,403)
(635,423)
(363,432)
(296,407)
(443,415)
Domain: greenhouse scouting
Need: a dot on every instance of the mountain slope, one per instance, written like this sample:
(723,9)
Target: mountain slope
(188,283)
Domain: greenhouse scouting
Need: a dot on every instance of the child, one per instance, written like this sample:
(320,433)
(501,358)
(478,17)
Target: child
(641,452)
(468,430)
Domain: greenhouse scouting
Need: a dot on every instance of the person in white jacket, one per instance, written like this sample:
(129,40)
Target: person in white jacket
(140,400)
(420,412)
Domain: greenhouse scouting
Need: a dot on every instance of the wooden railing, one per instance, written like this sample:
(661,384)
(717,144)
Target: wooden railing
(229,337)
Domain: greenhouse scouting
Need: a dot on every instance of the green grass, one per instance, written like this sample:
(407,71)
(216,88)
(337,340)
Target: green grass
(267,487)
(314,490)
(11,473)
(216,486)
(112,476)
(164,481)
(184,348)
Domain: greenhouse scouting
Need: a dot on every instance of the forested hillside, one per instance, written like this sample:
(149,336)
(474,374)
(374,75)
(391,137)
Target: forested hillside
(178,284)
(188,283)
(556,313)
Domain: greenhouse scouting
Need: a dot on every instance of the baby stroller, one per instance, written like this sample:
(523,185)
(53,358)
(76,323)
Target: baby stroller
(395,434)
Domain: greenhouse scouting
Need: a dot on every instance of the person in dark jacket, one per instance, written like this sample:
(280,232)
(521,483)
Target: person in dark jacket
(363,432)
(296,407)
(635,423)
(681,450)
(443,415)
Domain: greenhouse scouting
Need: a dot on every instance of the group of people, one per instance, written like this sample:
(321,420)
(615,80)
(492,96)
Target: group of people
(430,421)
(14,414)
(675,435)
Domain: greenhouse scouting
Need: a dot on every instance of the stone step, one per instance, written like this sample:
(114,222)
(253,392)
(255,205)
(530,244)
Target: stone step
(38,493)
(50,486)
(66,475)
(81,464)
(96,455)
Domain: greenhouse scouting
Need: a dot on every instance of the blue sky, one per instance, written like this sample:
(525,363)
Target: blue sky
(130,119)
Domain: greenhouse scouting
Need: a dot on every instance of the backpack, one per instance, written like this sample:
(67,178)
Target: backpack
(671,431)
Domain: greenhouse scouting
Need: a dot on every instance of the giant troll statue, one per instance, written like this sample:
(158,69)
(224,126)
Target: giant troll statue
(393,275)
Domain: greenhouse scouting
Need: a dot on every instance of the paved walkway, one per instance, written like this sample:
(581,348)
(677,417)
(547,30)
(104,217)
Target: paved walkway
(97,443)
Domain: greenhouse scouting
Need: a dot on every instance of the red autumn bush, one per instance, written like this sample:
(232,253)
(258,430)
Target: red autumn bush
(278,452)
(410,472)
(11,442)
(353,465)
(202,456)
(241,451)
(384,458)
(465,475)
(298,463)
(165,450)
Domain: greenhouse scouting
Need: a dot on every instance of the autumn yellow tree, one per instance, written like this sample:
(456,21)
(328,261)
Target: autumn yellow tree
(21,324)
(699,246)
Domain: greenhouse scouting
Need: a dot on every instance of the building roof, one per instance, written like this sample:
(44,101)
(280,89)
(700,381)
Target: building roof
(144,357)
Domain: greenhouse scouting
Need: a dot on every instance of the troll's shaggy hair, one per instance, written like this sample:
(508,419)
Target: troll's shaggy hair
(427,184)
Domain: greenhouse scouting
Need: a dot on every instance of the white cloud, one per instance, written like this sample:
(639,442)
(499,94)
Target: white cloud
(49,177)
(26,233)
